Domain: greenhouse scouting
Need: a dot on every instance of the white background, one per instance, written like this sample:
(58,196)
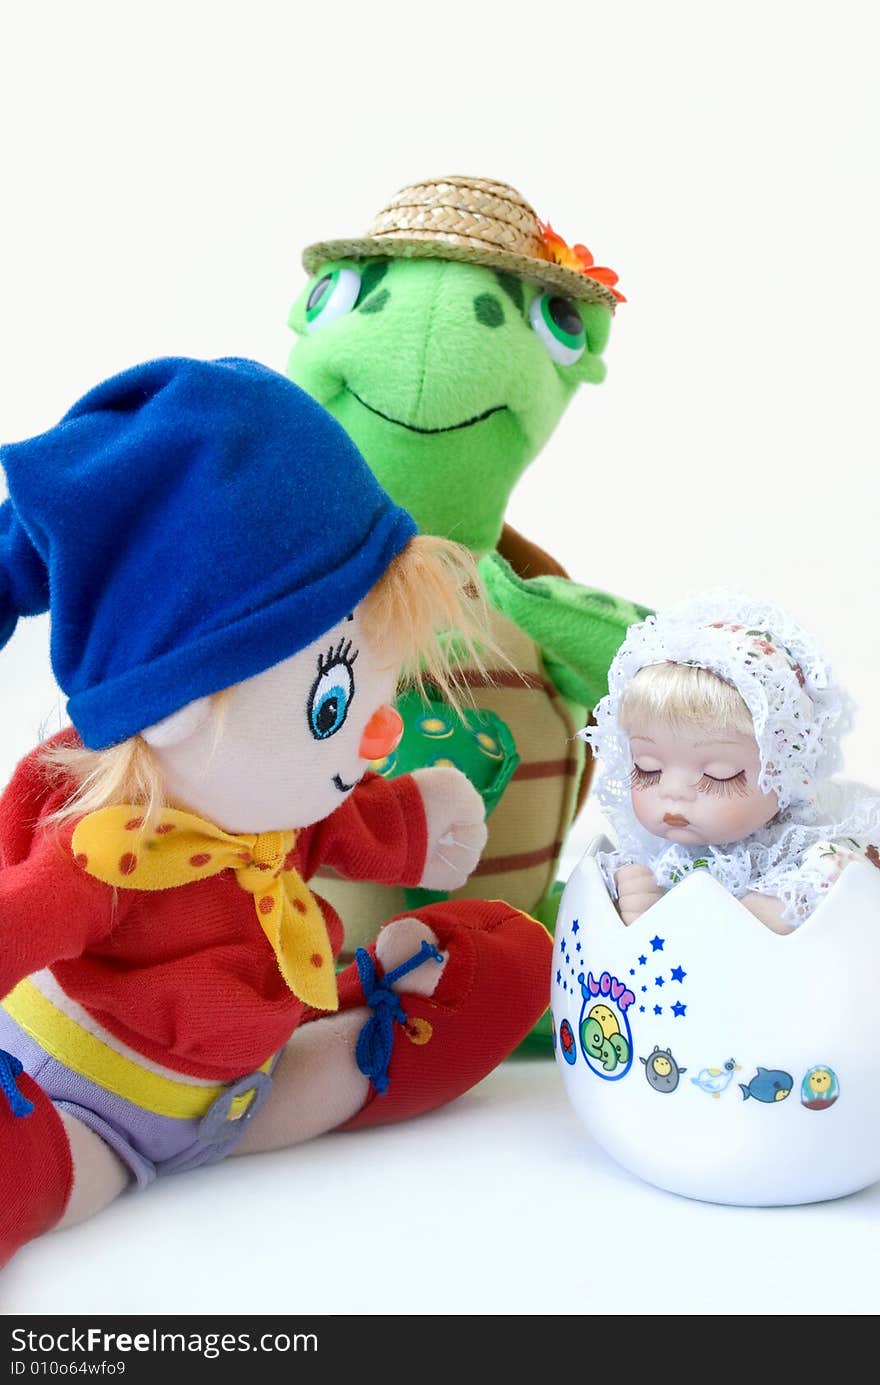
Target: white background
(161,167)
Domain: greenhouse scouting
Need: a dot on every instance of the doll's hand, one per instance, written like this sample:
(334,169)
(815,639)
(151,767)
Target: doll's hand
(637,890)
(769,910)
(456,821)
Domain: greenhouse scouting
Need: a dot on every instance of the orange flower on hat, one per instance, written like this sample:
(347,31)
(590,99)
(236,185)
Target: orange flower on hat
(578,258)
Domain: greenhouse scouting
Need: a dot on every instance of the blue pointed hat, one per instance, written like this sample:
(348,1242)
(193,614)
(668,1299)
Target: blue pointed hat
(188,524)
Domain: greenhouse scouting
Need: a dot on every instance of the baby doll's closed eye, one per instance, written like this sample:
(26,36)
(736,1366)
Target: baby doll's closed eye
(733,784)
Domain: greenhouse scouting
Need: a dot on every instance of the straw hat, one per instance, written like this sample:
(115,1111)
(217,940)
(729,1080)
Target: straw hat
(481,222)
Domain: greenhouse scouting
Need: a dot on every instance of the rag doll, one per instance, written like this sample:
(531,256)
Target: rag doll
(717,740)
(232,598)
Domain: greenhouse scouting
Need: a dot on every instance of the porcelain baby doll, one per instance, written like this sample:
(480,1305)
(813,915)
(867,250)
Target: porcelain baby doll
(232,598)
(717,736)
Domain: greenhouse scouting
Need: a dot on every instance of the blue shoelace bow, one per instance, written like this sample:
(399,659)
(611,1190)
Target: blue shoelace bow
(10,1069)
(373,1052)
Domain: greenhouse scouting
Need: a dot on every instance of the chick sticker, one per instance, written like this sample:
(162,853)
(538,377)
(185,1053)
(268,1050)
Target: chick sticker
(819,1089)
(605,1034)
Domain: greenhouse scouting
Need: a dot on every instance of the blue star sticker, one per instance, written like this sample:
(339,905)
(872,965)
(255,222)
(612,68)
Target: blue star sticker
(558,977)
(658,1009)
(678,973)
(657,943)
(678,1009)
(658,980)
(632,971)
(641,1009)
(644,988)
(562,944)
(642,961)
(575,927)
(578,946)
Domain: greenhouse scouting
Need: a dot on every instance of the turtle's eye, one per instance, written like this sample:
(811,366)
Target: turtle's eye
(332,296)
(558,324)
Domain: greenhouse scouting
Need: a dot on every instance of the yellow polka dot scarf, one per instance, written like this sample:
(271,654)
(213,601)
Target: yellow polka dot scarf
(112,846)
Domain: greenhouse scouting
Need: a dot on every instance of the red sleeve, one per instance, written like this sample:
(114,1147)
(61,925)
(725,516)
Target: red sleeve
(50,909)
(380,833)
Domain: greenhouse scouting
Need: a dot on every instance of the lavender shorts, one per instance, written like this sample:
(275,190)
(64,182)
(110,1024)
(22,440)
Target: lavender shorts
(149,1145)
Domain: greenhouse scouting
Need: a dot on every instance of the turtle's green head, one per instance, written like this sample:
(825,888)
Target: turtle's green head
(449,377)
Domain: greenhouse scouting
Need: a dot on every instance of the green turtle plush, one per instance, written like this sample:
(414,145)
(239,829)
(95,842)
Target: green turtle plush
(448,342)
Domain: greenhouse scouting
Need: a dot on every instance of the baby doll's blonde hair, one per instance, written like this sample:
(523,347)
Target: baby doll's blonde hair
(426,613)
(679,695)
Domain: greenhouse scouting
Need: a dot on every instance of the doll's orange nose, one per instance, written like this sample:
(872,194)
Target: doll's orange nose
(382,734)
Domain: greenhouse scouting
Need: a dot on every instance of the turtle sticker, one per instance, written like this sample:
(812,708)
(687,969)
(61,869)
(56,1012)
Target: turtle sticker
(605,1034)
(819,1089)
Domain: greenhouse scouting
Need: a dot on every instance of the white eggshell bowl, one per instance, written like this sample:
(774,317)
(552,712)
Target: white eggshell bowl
(713,1057)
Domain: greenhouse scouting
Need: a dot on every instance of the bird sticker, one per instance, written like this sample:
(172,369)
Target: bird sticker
(716,1080)
(768,1085)
(661,1070)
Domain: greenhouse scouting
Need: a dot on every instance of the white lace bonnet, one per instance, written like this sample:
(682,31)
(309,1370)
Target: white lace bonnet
(782,675)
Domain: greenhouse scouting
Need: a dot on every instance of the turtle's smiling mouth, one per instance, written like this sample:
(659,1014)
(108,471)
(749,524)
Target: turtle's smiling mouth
(450,428)
(340,784)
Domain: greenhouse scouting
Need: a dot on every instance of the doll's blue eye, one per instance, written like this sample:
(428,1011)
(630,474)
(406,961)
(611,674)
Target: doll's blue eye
(558,324)
(334,295)
(331,695)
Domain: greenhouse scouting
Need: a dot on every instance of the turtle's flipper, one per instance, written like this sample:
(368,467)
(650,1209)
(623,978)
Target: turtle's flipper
(579,629)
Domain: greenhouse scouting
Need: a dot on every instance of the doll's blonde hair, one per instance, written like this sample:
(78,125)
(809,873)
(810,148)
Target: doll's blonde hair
(426,613)
(679,695)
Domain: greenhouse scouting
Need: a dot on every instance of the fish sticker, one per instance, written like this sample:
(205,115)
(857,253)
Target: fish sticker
(661,1070)
(768,1085)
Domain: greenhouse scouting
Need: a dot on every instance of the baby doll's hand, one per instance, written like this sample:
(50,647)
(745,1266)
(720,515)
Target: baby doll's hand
(637,890)
(456,826)
(769,910)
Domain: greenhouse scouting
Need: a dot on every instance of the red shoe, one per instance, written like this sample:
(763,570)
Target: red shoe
(36,1171)
(422,1051)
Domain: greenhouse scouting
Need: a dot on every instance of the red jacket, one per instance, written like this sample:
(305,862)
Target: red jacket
(185,976)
